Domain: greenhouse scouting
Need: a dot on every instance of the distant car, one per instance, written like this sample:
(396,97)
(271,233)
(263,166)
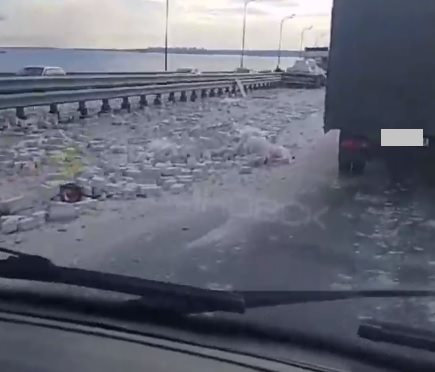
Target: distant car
(243,70)
(41,71)
(306,73)
(306,66)
(188,70)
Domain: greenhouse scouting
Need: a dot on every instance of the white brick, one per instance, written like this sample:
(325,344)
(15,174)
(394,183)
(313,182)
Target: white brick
(9,224)
(177,188)
(245,170)
(48,191)
(151,174)
(186,180)
(113,189)
(117,149)
(28,223)
(197,174)
(16,204)
(136,174)
(168,182)
(40,216)
(150,190)
(59,211)
(130,191)
(98,185)
(170,171)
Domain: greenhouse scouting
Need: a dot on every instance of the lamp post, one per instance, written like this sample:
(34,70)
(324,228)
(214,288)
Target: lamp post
(244,31)
(280,38)
(166,35)
(302,37)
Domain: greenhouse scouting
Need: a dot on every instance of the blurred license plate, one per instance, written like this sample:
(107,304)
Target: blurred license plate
(402,138)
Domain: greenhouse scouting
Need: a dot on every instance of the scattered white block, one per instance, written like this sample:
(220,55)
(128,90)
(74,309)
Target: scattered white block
(167,183)
(130,191)
(41,217)
(186,180)
(245,170)
(177,188)
(117,149)
(136,174)
(197,174)
(16,204)
(150,191)
(9,224)
(150,174)
(28,223)
(59,211)
(48,191)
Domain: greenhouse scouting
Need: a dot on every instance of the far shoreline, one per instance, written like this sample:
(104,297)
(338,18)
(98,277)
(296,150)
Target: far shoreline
(186,51)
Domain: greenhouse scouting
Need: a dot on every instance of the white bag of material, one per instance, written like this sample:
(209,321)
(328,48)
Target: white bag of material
(162,149)
(261,147)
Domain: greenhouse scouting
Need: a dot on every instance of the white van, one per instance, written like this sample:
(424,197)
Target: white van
(41,71)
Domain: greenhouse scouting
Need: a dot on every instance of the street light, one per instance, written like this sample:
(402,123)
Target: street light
(280,37)
(244,30)
(302,37)
(166,35)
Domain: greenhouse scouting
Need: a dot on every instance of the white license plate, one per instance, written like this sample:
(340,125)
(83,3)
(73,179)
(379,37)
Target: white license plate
(402,138)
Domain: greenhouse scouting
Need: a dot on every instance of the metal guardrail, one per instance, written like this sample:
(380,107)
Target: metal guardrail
(53,98)
(44,84)
(302,80)
(96,73)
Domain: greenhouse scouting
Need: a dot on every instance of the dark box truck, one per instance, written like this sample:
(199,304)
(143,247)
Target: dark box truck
(381,75)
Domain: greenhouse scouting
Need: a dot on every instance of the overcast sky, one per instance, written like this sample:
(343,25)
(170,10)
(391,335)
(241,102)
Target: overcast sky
(140,23)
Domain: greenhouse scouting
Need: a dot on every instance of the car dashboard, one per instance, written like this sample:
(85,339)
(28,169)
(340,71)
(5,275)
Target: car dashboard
(38,344)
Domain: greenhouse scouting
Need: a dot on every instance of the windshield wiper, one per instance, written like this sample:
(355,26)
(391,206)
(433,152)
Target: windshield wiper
(397,334)
(175,297)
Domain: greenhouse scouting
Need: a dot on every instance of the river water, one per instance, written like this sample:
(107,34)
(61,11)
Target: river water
(113,61)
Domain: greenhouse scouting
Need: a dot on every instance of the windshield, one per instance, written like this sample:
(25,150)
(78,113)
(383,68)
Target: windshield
(250,175)
(31,71)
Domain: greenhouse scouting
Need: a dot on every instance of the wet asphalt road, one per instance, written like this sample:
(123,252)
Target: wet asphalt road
(325,231)
(300,226)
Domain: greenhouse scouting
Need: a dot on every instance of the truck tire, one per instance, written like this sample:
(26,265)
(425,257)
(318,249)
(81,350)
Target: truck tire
(358,167)
(344,166)
(351,167)
(350,162)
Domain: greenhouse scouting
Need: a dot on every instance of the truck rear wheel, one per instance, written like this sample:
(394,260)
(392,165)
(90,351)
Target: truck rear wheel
(351,156)
(351,167)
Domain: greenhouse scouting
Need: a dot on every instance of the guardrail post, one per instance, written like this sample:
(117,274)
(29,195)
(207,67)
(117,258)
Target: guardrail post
(20,113)
(212,93)
(193,96)
(53,109)
(158,99)
(233,89)
(227,90)
(125,105)
(220,92)
(143,101)
(203,93)
(105,107)
(171,97)
(183,97)
(83,109)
